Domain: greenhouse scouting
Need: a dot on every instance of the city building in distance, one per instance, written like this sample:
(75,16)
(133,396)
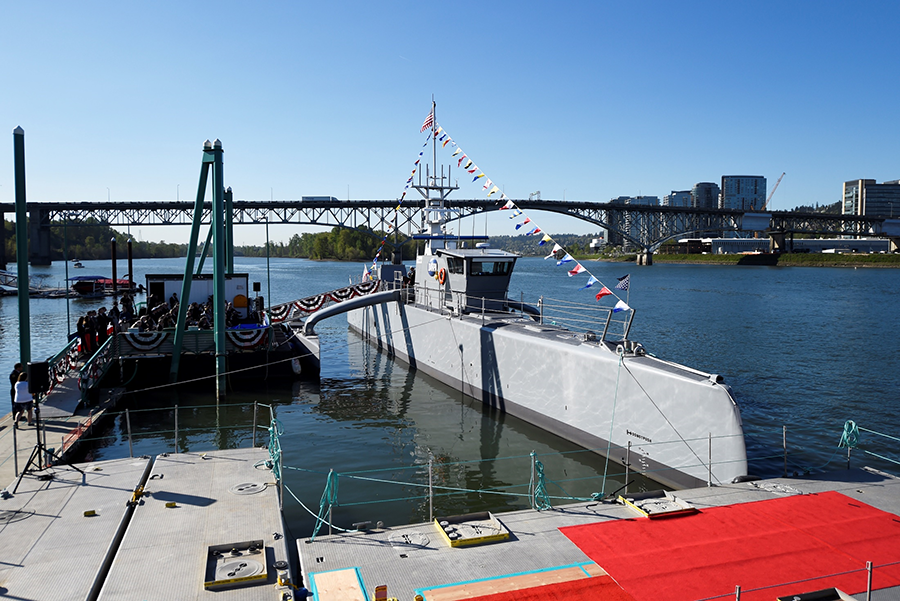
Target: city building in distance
(743,192)
(705,195)
(865,197)
(677,198)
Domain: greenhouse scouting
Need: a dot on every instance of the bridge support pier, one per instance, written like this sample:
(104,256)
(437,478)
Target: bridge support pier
(644,258)
(39,237)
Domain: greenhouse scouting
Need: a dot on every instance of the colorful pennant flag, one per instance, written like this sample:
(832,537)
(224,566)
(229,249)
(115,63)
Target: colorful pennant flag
(566,259)
(623,282)
(527,220)
(515,213)
(579,268)
(468,164)
(461,159)
(447,141)
(621,306)
(591,281)
(545,239)
(477,177)
(487,184)
(603,292)
(536,230)
(509,205)
(458,150)
(493,190)
(556,249)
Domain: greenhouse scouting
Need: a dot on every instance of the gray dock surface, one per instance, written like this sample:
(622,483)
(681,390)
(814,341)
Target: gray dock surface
(164,553)
(50,550)
(413,558)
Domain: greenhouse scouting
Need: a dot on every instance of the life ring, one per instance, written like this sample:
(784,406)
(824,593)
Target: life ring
(442,276)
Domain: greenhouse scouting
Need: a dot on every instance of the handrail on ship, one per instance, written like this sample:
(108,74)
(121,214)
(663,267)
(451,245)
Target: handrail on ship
(555,313)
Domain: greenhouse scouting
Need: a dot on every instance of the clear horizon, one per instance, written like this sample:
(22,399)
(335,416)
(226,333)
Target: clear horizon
(584,101)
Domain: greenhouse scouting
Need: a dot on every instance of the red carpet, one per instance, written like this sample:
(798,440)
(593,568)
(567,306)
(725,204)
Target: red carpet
(598,588)
(753,545)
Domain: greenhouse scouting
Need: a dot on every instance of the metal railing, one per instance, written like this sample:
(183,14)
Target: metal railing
(579,318)
(813,584)
(62,363)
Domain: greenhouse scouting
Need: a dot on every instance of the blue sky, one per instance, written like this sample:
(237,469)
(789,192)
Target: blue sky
(587,100)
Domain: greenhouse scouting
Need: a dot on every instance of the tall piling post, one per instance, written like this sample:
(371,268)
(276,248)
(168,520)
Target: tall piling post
(219,254)
(229,230)
(112,256)
(130,266)
(22,247)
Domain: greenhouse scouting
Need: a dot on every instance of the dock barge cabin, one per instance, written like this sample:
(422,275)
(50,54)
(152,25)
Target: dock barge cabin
(163,286)
(255,348)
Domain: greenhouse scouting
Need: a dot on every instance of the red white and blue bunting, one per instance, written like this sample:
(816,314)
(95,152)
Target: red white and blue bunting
(144,341)
(311,304)
(248,339)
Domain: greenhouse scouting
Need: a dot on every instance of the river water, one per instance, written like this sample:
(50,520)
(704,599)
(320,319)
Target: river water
(805,348)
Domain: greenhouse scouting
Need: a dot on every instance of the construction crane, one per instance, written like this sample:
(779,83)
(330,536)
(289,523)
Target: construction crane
(775,187)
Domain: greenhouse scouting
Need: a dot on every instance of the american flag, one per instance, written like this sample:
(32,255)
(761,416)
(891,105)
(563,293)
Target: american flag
(623,282)
(429,121)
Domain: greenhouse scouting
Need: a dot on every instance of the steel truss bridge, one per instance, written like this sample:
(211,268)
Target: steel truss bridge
(643,227)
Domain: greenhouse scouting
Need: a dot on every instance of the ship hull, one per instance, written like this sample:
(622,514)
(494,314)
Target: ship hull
(674,418)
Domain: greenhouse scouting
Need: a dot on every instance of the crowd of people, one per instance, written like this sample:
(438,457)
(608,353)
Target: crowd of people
(95,327)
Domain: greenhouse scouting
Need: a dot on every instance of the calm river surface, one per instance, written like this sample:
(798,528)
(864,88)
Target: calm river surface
(806,348)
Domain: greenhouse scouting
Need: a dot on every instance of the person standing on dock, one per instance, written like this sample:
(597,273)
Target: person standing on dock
(91,326)
(83,335)
(127,307)
(24,400)
(115,316)
(13,378)
(102,326)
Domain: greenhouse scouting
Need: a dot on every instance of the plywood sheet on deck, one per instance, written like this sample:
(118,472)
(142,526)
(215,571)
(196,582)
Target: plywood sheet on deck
(480,588)
(338,585)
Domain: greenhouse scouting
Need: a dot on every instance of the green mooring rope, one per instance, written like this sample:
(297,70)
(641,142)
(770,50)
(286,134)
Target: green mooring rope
(328,500)
(540,500)
(850,436)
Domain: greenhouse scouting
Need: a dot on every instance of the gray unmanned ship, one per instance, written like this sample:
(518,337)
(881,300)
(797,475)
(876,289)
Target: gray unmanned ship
(455,322)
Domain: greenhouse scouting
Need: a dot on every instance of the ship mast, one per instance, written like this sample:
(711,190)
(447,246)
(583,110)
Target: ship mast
(433,212)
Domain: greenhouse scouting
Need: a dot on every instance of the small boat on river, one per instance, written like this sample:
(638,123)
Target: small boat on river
(92,286)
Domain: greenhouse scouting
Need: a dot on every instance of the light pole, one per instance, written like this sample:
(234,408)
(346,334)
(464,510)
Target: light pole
(107,194)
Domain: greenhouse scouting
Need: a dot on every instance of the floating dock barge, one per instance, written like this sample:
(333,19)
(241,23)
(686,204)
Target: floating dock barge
(171,527)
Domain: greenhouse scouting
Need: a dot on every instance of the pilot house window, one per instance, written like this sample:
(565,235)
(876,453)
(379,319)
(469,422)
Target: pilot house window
(491,267)
(454,265)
